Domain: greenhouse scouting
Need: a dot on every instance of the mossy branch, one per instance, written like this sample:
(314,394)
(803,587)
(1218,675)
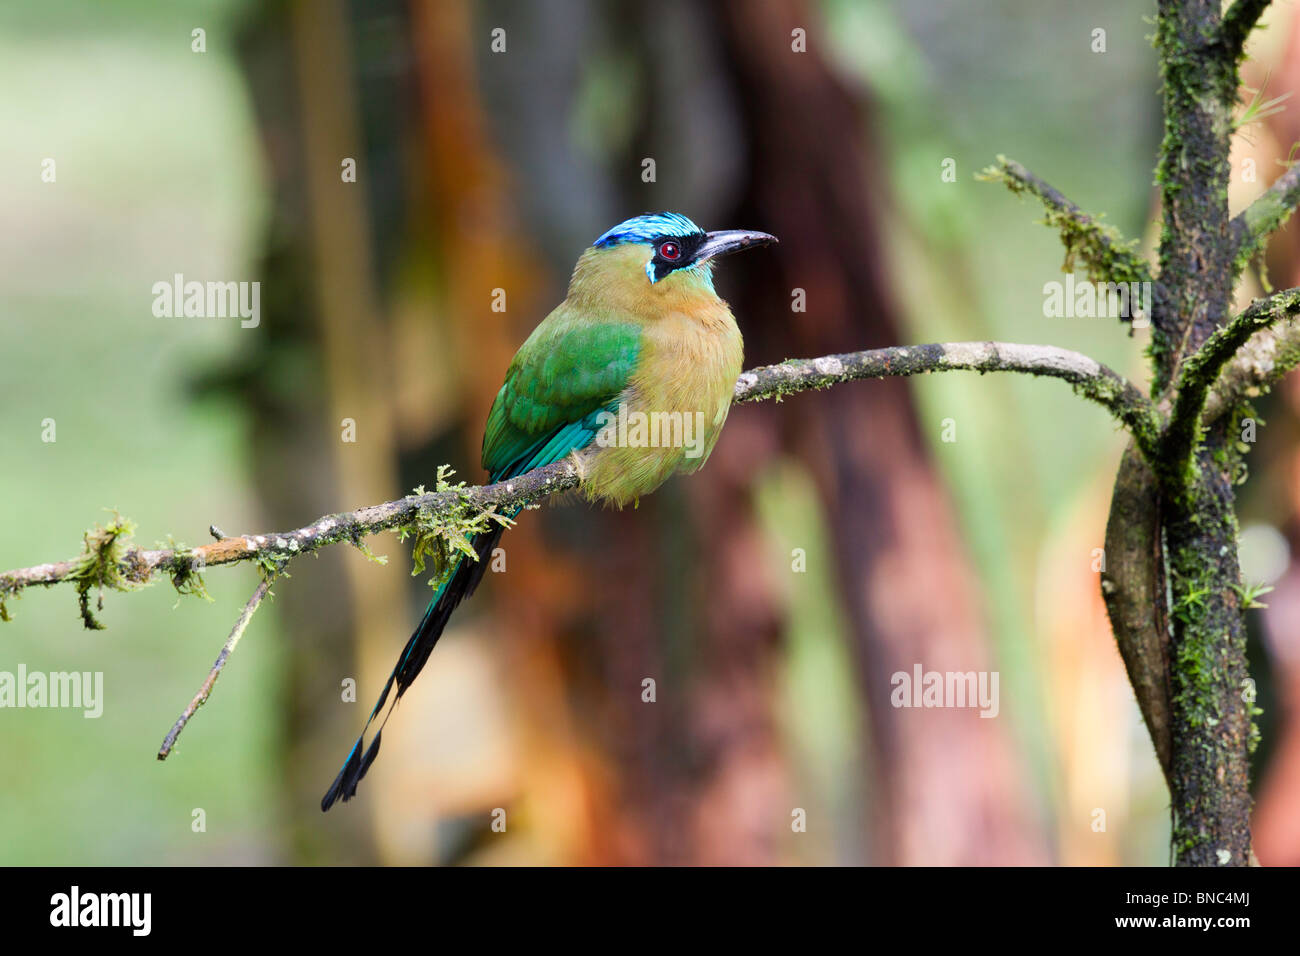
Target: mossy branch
(1099,246)
(1089,378)
(122,567)
(450,513)
(1252,227)
(442,521)
(1238,21)
(1200,371)
(1262,362)
(1199,86)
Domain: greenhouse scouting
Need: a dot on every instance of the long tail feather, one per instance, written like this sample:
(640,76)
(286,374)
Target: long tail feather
(462,583)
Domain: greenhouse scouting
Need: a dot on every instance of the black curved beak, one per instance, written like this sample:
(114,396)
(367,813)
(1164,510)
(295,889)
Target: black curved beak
(726,241)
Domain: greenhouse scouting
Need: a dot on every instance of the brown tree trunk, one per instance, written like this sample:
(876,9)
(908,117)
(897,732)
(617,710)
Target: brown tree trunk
(947,786)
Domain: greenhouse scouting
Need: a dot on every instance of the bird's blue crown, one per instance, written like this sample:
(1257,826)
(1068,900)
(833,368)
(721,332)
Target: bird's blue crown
(648,227)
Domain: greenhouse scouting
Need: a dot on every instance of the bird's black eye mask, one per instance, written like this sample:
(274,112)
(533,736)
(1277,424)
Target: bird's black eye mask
(672,253)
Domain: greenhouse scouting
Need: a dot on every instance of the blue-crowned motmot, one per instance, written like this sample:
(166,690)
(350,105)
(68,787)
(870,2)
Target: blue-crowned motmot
(641,333)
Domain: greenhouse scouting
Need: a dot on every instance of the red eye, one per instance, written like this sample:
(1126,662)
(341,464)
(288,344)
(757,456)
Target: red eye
(670,250)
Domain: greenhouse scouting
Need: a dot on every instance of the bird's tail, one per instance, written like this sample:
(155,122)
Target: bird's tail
(460,585)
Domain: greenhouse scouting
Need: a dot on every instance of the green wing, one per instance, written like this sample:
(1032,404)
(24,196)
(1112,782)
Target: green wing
(567,372)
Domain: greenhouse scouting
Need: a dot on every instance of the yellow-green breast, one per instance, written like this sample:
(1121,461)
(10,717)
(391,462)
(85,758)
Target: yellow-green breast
(690,357)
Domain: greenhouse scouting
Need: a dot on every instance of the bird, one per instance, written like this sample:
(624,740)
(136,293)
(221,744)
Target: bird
(642,349)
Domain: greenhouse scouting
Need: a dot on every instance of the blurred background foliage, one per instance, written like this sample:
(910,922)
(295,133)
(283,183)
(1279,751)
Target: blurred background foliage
(480,170)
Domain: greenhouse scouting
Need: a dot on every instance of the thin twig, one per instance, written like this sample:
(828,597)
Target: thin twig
(227,649)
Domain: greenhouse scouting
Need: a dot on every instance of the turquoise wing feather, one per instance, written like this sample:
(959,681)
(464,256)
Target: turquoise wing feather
(556,387)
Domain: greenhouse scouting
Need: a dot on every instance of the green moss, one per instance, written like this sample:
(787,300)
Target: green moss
(1199,84)
(102,566)
(270,567)
(1144,423)
(360,544)
(8,590)
(185,571)
(1208,647)
(442,538)
(1098,246)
